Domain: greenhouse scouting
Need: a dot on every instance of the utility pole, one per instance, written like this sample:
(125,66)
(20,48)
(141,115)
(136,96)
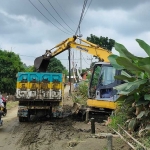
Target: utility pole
(80,54)
(69,70)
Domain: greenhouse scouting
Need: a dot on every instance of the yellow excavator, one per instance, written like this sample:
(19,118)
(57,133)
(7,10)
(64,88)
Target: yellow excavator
(101,95)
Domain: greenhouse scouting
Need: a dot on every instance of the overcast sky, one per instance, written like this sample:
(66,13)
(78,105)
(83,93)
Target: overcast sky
(25,31)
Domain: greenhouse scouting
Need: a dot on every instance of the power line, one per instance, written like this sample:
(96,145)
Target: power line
(85,60)
(64,11)
(53,16)
(81,17)
(59,15)
(87,9)
(26,56)
(46,17)
(35,57)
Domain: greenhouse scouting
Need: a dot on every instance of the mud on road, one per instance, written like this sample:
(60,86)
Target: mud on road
(53,134)
(56,134)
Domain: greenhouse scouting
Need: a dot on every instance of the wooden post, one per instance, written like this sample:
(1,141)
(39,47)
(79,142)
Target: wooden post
(87,116)
(109,142)
(92,126)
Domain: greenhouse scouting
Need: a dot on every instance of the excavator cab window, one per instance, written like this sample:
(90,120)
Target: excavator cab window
(102,82)
(94,80)
(107,75)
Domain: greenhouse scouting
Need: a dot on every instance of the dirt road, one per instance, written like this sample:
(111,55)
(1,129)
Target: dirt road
(56,134)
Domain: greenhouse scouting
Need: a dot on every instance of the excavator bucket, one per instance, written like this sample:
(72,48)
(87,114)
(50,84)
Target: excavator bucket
(41,64)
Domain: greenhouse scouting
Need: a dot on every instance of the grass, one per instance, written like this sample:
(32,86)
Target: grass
(12,104)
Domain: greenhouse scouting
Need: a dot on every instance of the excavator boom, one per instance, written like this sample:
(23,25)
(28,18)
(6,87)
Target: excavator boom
(41,63)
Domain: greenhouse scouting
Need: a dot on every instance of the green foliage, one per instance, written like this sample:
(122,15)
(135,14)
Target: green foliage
(56,66)
(118,118)
(10,65)
(136,90)
(29,68)
(81,95)
(103,42)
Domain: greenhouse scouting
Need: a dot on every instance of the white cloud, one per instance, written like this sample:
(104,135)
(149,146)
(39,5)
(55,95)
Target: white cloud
(25,31)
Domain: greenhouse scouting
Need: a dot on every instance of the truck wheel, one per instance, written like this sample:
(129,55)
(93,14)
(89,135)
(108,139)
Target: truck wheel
(26,119)
(21,119)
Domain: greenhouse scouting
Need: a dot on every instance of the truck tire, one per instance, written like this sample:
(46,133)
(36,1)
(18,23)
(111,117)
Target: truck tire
(21,119)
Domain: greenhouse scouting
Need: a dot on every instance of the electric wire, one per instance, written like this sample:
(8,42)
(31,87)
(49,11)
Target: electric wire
(65,12)
(35,57)
(53,16)
(27,56)
(59,15)
(46,17)
(84,59)
(87,9)
(81,17)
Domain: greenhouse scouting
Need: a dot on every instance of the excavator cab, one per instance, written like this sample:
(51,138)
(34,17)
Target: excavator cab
(101,93)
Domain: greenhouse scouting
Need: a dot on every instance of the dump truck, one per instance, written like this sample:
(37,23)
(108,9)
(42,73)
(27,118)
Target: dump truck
(39,94)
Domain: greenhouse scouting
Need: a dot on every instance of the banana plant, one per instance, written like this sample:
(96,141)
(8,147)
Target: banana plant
(135,72)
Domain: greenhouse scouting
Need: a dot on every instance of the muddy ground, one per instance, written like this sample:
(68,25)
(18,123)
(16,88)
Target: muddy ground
(55,134)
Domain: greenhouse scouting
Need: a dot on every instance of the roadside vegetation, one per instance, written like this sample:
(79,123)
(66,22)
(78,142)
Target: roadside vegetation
(134,103)
(12,104)
(11,64)
(80,94)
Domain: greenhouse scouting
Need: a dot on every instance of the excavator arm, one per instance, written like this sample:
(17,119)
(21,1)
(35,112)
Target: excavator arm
(41,63)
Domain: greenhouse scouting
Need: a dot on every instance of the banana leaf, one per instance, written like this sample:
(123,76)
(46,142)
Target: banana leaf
(146,68)
(147,97)
(127,86)
(123,77)
(120,87)
(127,64)
(144,46)
(124,52)
(125,74)
(121,98)
(112,59)
(144,61)
(129,100)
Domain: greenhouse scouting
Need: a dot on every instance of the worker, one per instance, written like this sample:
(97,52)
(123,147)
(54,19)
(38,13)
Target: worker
(1,109)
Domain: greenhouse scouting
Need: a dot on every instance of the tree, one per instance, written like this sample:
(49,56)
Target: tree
(29,68)
(103,42)
(55,65)
(10,65)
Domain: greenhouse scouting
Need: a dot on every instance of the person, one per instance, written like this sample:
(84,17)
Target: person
(1,109)
(4,101)
(5,109)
